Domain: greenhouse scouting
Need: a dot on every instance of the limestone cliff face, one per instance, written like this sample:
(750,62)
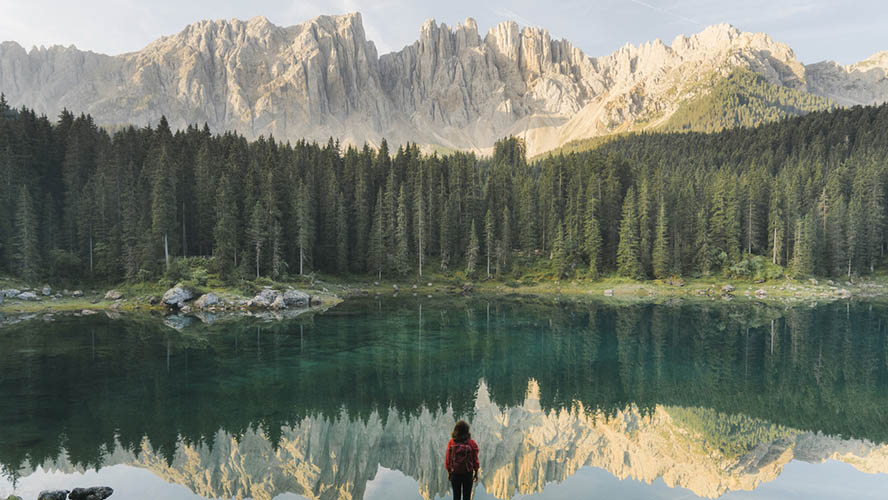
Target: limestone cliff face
(453,87)
(523,449)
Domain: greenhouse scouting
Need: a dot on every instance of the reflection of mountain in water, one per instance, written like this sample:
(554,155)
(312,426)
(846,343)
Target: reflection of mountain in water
(523,448)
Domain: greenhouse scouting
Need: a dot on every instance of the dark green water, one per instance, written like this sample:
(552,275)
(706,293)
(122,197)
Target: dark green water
(654,401)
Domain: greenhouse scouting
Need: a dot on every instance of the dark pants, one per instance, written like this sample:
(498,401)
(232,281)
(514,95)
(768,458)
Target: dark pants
(462,486)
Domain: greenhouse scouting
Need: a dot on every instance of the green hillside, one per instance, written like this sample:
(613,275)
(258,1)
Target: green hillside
(743,99)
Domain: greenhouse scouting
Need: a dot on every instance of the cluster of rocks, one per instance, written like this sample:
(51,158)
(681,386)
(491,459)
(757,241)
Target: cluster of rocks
(93,493)
(35,294)
(268,298)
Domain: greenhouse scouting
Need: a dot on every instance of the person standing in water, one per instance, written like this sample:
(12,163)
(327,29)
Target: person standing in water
(461,461)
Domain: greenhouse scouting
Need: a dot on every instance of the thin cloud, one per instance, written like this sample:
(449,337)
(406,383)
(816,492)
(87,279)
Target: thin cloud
(661,10)
(508,14)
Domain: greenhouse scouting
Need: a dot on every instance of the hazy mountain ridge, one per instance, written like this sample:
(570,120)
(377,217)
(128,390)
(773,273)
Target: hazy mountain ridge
(452,87)
(524,448)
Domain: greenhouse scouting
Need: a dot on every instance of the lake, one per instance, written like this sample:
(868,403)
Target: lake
(566,400)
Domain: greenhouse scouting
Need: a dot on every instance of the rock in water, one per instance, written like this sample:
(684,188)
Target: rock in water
(729,288)
(113,295)
(296,298)
(53,495)
(177,295)
(205,301)
(94,493)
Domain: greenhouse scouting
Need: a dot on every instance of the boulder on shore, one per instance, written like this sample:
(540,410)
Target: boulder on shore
(113,295)
(93,493)
(296,298)
(205,301)
(27,296)
(264,298)
(47,291)
(177,295)
(77,293)
(729,288)
(9,293)
(53,495)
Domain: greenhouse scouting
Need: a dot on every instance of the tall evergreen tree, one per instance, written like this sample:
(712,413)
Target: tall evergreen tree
(377,238)
(661,245)
(628,261)
(226,229)
(592,234)
(27,252)
(163,205)
(256,233)
(402,240)
(488,238)
(473,251)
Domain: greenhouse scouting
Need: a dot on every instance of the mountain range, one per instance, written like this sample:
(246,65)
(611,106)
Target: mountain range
(451,89)
(525,448)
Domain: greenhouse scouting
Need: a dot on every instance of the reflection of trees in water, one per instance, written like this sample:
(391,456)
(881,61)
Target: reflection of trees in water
(85,384)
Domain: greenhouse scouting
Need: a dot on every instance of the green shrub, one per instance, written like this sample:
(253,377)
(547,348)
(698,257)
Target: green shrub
(755,267)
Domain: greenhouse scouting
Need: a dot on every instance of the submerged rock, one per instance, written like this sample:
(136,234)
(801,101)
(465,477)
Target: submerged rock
(177,295)
(53,495)
(93,493)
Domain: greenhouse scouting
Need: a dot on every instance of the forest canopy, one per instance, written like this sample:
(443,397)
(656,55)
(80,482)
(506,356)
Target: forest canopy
(80,203)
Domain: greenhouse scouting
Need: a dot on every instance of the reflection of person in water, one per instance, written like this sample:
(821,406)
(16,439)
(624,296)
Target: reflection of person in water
(461,461)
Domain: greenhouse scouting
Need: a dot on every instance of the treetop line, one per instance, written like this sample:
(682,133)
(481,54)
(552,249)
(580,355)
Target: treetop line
(80,203)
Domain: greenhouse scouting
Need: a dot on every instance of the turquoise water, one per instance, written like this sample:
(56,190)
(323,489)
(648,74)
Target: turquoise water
(652,401)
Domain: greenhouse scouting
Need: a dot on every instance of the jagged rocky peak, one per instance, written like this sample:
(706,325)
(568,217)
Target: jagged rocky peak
(452,87)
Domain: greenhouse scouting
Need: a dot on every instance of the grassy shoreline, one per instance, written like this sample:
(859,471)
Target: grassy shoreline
(138,297)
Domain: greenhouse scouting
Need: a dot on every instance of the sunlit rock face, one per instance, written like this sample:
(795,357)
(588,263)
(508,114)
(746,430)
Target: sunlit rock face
(453,87)
(522,449)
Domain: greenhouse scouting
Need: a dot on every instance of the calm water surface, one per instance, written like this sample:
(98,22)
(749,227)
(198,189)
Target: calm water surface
(565,400)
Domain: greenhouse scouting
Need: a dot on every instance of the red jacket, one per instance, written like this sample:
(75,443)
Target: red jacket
(474,458)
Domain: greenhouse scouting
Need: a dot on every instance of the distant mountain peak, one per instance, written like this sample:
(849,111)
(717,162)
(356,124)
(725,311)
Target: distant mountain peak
(451,88)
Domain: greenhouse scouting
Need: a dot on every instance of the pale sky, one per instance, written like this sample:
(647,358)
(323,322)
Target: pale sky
(844,31)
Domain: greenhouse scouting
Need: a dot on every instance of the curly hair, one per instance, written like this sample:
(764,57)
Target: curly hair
(461,431)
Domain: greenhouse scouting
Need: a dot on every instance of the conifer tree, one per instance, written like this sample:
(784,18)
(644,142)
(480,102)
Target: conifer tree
(377,239)
(628,262)
(660,255)
(488,238)
(559,255)
(506,241)
(341,236)
(592,235)
(402,241)
(473,251)
(163,206)
(305,225)
(256,233)
(27,251)
(704,257)
(226,229)
(803,251)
